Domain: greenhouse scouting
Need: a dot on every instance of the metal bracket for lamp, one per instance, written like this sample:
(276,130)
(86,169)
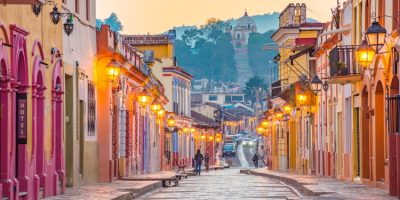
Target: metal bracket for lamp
(37,7)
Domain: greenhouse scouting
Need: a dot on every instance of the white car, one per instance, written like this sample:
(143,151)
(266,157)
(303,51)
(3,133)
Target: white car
(248,142)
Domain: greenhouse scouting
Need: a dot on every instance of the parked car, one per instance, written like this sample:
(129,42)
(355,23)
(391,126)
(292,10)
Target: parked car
(229,149)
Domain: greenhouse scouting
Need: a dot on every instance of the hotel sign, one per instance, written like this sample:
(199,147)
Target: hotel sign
(22,118)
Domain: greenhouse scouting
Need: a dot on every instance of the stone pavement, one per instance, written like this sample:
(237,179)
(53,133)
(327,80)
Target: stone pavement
(314,187)
(118,190)
(226,184)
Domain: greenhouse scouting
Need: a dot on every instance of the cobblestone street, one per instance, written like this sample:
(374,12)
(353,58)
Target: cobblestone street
(226,184)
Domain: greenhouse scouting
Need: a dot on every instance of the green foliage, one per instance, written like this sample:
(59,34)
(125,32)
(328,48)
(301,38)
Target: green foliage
(114,22)
(207,52)
(252,86)
(259,58)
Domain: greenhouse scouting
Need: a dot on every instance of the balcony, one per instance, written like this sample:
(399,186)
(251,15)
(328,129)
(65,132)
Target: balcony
(343,67)
(21,1)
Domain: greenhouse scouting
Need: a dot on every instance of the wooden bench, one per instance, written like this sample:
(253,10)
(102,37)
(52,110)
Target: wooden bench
(164,180)
(180,176)
(181,167)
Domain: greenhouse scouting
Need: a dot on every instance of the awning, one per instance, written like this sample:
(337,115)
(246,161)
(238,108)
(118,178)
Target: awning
(297,55)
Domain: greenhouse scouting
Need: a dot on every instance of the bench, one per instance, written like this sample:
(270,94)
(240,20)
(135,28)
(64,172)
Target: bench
(164,180)
(181,167)
(180,176)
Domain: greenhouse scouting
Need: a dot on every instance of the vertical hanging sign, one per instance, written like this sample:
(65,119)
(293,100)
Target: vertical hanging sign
(22,119)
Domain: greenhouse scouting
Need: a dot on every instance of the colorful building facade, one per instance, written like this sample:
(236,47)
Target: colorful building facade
(31,146)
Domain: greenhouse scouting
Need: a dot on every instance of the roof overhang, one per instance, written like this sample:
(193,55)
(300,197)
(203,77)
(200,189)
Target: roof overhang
(285,32)
(21,2)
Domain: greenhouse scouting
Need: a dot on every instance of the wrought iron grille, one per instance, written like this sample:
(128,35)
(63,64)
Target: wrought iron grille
(393,104)
(342,61)
(91,109)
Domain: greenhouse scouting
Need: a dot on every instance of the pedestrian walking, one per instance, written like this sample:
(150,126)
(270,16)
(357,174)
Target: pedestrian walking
(255,160)
(207,161)
(198,159)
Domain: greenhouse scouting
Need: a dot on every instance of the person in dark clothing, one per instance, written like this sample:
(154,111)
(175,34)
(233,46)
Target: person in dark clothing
(206,161)
(198,159)
(255,160)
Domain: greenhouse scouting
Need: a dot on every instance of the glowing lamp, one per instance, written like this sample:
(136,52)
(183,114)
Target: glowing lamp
(161,113)
(260,130)
(287,109)
(203,137)
(171,122)
(113,69)
(301,98)
(264,123)
(218,139)
(192,130)
(155,107)
(211,138)
(279,115)
(364,54)
(143,98)
(185,129)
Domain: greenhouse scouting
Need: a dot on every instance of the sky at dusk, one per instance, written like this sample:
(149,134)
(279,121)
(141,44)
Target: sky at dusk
(156,16)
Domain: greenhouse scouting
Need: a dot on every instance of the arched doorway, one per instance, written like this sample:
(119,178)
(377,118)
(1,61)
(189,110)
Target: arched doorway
(379,132)
(57,128)
(365,136)
(38,128)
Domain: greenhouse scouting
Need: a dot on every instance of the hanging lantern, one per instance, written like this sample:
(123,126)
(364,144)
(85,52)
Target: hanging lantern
(202,137)
(37,8)
(192,130)
(316,84)
(301,98)
(364,54)
(113,69)
(143,98)
(161,113)
(287,109)
(265,123)
(211,138)
(155,108)
(185,129)
(376,36)
(325,86)
(55,15)
(260,130)
(171,123)
(69,25)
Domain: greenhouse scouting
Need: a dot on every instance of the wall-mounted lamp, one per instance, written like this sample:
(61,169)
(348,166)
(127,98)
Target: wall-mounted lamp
(113,69)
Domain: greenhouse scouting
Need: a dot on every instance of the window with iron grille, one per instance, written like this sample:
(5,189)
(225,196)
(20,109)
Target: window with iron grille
(91,109)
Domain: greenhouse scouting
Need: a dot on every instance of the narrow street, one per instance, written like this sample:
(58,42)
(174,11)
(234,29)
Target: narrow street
(229,183)
(226,184)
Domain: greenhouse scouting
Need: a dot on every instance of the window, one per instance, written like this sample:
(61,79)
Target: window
(212,98)
(91,109)
(77,6)
(237,98)
(396,14)
(88,10)
(381,12)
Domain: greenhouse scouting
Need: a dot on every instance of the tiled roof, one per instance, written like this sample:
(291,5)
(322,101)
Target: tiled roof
(146,39)
(201,120)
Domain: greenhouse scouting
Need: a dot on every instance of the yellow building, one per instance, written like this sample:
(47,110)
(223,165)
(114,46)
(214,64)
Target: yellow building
(32,83)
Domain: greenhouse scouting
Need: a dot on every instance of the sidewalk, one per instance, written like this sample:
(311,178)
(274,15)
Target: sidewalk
(323,187)
(118,190)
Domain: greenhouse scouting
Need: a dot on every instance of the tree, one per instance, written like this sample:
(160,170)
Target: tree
(255,86)
(114,22)
(99,22)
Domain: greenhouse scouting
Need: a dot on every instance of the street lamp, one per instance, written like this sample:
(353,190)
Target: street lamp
(143,98)
(301,98)
(202,137)
(171,123)
(364,54)
(325,86)
(185,129)
(265,123)
(155,108)
(161,113)
(113,69)
(69,25)
(260,130)
(192,130)
(211,138)
(316,84)
(287,109)
(376,36)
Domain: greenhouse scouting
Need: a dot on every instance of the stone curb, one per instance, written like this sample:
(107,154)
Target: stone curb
(135,193)
(292,182)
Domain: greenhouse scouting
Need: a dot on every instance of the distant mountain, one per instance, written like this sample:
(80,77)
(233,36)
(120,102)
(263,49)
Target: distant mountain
(265,22)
